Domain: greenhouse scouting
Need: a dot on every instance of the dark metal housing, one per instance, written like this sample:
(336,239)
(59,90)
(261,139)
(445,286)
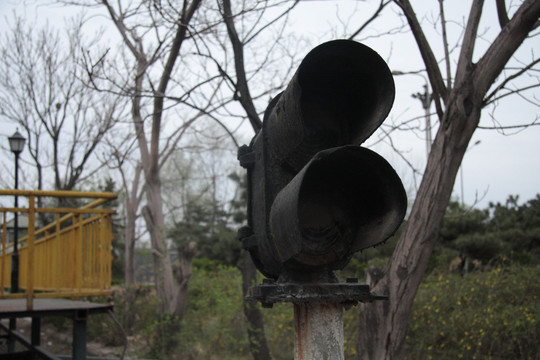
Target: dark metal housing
(315,196)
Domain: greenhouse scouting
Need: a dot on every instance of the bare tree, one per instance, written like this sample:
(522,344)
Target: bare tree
(133,199)
(41,90)
(243,92)
(459,101)
(119,157)
(166,52)
(155,59)
(152,68)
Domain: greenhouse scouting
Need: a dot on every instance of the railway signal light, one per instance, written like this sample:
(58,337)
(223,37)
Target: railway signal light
(315,195)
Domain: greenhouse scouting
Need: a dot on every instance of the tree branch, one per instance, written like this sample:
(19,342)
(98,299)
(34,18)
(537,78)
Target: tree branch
(521,126)
(376,14)
(445,46)
(501,13)
(241,83)
(505,45)
(439,89)
(491,97)
(187,14)
(465,64)
(117,19)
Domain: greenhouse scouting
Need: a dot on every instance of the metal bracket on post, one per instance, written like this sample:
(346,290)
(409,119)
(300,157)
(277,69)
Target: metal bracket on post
(347,294)
(318,313)
(246,156)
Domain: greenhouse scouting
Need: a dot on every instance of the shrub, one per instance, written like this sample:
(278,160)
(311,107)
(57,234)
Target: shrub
(214,323)
(488,315)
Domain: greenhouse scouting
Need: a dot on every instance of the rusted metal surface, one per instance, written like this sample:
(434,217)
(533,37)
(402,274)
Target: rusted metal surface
(315,196)
(318,331)
(347,294)
(344,200)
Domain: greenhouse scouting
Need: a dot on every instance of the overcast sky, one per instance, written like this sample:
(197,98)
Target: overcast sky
(495,165)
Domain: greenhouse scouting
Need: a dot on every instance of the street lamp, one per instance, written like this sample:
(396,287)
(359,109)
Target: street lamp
(426,98)
(16,144)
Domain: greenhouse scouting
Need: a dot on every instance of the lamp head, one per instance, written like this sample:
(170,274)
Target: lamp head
(16,143)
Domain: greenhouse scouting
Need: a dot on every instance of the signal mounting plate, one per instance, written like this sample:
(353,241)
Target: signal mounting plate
(349,293)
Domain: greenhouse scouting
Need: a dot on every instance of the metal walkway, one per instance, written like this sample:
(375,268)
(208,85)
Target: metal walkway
(78,311)
(70,257)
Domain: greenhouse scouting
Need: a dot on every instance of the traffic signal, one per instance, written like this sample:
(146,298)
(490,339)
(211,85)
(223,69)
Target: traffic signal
(315,197)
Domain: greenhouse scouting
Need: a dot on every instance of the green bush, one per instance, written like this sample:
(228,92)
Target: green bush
(214,322)
(481,246)
(488,315)
(279,329)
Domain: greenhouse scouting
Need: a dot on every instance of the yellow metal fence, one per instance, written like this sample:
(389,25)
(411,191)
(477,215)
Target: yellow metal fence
(69,257)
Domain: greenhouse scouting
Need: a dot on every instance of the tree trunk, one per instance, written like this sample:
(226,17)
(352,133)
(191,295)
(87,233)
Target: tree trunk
(171,291)
(130,249)
(383,324)
(132,206)
(256,335)
(129,269)
(163,271)
(186,254)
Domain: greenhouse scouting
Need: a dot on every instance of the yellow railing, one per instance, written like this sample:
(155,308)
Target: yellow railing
(69,257)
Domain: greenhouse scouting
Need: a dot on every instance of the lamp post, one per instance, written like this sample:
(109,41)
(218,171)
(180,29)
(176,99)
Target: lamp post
(16,144)
(426,98)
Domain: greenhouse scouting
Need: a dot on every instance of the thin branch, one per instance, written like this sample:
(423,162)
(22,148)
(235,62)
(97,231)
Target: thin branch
(376,14)
(515,92)
(117,19)
(505,44)
(536,122)
(273,21)
(241,84)
(465,64)
(437,84)
(187,14)
(219,122)
(404,158)
(488,99)
(445,46)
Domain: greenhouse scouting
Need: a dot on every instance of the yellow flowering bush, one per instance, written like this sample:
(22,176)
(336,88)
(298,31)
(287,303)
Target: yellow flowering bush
(492,314)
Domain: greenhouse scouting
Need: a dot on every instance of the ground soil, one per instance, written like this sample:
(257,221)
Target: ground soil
(58,342)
